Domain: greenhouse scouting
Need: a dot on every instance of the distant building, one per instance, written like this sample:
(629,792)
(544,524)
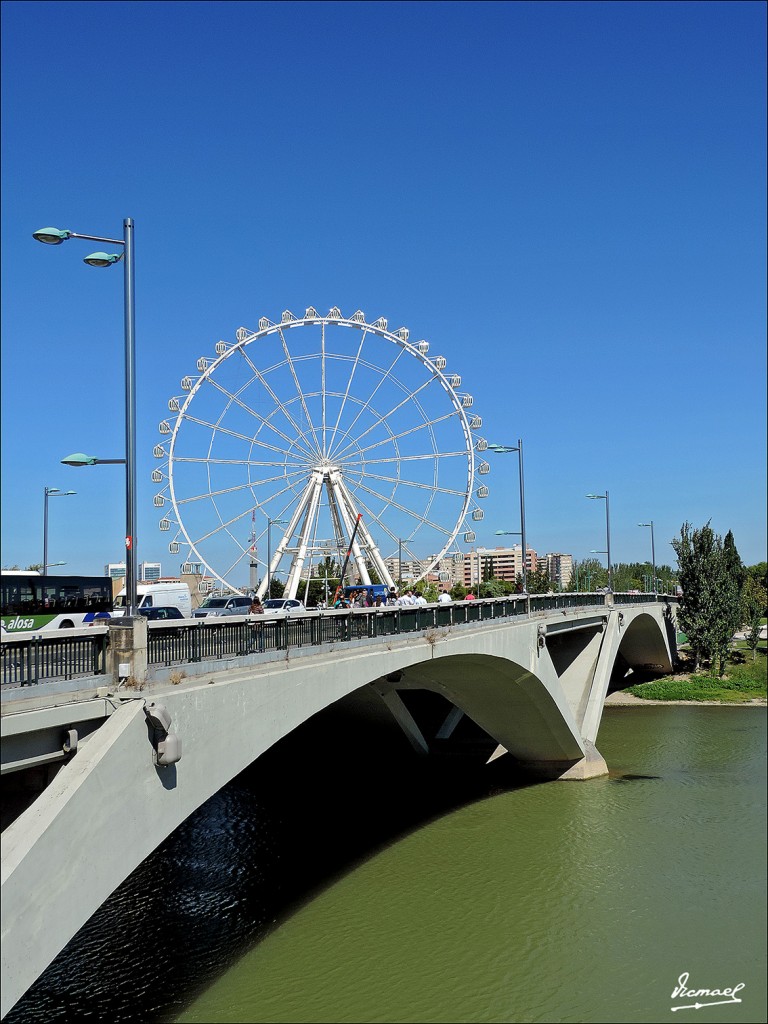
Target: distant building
(497,563)
(149,572)
(115,570)
(559,568)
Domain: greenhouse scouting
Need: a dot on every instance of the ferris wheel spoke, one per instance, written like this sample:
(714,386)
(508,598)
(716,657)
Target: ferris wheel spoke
(429,456)
(386,375)
(264,421)
(236,434)
(279,406)
(403,508)
(405,433)
(213,494)
(377,519)
(300,393)
(223,526)
(385,417)
(239,462)
(410,483)
(239,487)
(355,364)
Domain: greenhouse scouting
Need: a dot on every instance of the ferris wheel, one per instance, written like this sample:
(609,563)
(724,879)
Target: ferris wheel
(316,437)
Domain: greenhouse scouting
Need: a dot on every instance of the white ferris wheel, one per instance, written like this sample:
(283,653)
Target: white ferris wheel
(314,437)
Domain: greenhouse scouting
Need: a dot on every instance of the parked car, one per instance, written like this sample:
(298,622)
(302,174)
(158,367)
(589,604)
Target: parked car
(216,606)
(160,613)
(280,605)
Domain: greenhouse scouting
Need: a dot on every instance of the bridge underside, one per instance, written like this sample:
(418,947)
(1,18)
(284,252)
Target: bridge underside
(536,687)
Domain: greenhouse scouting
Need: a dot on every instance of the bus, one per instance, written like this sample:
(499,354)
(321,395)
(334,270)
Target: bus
(29,601)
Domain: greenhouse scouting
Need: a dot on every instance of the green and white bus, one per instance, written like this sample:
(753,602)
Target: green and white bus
(30,602)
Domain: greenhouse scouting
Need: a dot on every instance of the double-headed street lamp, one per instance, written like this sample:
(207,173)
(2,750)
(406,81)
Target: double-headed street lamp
(604,497)
(504,449)
(55,236)
(55,493)
(653,556)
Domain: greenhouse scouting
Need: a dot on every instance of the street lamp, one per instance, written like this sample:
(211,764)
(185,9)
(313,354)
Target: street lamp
(503,449)
(55,236)
(653,556)
(56,493)
(604,497)
(270,523)
(79,459)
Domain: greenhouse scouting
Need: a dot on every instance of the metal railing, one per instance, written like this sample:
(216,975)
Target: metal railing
(50,657)
(24,662)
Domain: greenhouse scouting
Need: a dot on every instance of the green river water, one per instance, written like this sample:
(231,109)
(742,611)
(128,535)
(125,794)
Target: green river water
(558,902)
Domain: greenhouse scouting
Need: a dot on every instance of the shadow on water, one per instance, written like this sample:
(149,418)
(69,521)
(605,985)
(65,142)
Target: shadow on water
(634,778)
(324,799)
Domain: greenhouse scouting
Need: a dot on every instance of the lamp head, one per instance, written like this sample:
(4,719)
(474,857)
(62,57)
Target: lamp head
(51,490)
(51,236)
(79,459)
(103,259)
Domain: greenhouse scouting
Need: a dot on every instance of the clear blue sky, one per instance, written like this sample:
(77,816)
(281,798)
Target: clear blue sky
(566,200)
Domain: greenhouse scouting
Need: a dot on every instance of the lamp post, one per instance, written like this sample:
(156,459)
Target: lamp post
(55,236)
(502,449)
(604,497)
(270,522)
(653,557)
(56,493)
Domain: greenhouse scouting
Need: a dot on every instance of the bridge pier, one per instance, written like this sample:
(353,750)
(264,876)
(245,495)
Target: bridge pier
(591,766)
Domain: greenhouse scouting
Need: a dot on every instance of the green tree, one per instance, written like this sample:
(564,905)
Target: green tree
(753,602)
(588,575)
(458,592)
(709,590)
(538,582)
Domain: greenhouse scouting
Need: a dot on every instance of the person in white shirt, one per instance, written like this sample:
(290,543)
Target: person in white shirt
(420,599)
(406,599)
(444,598)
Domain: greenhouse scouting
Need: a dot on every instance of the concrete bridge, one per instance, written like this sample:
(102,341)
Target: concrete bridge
(534,679)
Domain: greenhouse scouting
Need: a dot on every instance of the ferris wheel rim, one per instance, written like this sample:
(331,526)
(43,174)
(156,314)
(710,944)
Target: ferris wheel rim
(247,338)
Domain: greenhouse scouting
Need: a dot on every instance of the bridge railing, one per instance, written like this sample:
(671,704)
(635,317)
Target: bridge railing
(26,661)
(62,655)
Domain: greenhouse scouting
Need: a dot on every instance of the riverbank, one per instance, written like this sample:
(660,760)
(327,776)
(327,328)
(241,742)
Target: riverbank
(621,698)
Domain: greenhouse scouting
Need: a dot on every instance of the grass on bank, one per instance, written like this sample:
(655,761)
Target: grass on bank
(744,680)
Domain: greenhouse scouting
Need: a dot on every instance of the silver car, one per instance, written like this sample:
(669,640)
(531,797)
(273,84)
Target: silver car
(217,606)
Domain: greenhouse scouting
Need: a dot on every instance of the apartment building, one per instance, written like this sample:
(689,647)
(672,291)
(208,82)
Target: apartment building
(499,563)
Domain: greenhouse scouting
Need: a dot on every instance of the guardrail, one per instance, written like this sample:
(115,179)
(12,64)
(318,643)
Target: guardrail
(70,654)
(62,655)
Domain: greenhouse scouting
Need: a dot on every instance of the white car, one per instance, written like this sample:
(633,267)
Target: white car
(283,605)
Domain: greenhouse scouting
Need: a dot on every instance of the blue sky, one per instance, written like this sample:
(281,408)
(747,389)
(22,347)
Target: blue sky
(566,200)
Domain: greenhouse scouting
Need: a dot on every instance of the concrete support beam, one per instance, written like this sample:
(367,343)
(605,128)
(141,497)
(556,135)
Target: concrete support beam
(404,718)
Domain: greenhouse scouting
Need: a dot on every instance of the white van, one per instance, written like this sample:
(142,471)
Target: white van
(171,594)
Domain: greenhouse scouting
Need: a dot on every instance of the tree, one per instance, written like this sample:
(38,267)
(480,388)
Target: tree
(588,575)
(753,602)
(709,590)
(539,582)
(458,592)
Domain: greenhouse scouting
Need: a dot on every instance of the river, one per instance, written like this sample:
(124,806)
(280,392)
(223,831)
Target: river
(341,879)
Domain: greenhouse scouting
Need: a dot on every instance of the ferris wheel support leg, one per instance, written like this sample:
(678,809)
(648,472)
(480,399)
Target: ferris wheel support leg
(349,515)
(294,575)
(283,544)
(373,551)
